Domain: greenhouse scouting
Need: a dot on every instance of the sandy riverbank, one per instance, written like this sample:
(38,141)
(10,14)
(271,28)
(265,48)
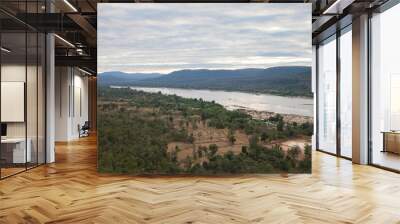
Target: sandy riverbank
(263,115)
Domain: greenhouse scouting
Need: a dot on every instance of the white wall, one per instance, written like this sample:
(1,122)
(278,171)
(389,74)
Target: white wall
(62,83)
(71,94)
(17,73)
(33,126)
(13,101)
(10,73)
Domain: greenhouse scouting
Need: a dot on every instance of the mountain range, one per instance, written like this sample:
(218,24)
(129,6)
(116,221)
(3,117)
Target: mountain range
(283,80)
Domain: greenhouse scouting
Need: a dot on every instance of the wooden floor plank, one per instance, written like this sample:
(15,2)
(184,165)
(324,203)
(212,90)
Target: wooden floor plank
(71,191)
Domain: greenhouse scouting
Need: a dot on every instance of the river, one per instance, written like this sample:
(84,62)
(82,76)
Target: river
(240,100)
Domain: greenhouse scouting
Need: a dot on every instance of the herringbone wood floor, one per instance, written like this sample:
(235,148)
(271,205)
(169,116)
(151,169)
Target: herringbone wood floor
(71,191)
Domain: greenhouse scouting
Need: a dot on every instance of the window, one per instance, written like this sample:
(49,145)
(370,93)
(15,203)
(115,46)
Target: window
(385,89)
(346,93)
(327,95)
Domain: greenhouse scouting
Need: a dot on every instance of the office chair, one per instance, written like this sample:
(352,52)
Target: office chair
(84,130)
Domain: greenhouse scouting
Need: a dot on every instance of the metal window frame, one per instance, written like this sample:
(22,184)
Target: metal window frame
(339,32)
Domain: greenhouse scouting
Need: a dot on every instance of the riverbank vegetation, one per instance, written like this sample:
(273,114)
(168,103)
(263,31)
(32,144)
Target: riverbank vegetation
(152,133)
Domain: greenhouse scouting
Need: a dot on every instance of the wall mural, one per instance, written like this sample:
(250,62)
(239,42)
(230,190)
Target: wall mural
(204,89)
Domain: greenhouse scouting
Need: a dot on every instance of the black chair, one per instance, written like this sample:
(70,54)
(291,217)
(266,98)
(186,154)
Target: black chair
(84,130)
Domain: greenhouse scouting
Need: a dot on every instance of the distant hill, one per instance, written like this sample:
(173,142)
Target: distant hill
(122,78)
(286,80)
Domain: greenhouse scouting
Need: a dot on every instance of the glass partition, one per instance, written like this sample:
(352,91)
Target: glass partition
(31,99)
(13,94)
(41,96)
(327,95)
(22,88)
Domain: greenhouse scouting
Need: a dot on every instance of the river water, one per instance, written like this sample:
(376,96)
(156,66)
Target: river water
(241,100)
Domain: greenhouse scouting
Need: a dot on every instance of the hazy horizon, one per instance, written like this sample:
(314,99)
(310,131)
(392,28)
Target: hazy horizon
(194,69)
(162,38)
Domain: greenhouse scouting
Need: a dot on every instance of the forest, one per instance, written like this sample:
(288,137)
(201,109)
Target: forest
(151,133)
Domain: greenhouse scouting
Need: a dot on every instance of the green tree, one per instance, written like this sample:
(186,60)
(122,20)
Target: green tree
(279,125)
(213,149)
(264,136)
(231,137)
(200,153)
(190,138)
(294,152)
(244,149)
(188,162)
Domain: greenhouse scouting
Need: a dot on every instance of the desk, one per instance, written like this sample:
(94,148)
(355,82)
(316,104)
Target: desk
(13,150)
(391,141)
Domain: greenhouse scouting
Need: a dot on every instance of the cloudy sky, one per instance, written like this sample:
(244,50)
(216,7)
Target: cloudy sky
(168,37)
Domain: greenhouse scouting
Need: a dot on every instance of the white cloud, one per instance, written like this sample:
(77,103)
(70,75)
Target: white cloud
(167,37)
